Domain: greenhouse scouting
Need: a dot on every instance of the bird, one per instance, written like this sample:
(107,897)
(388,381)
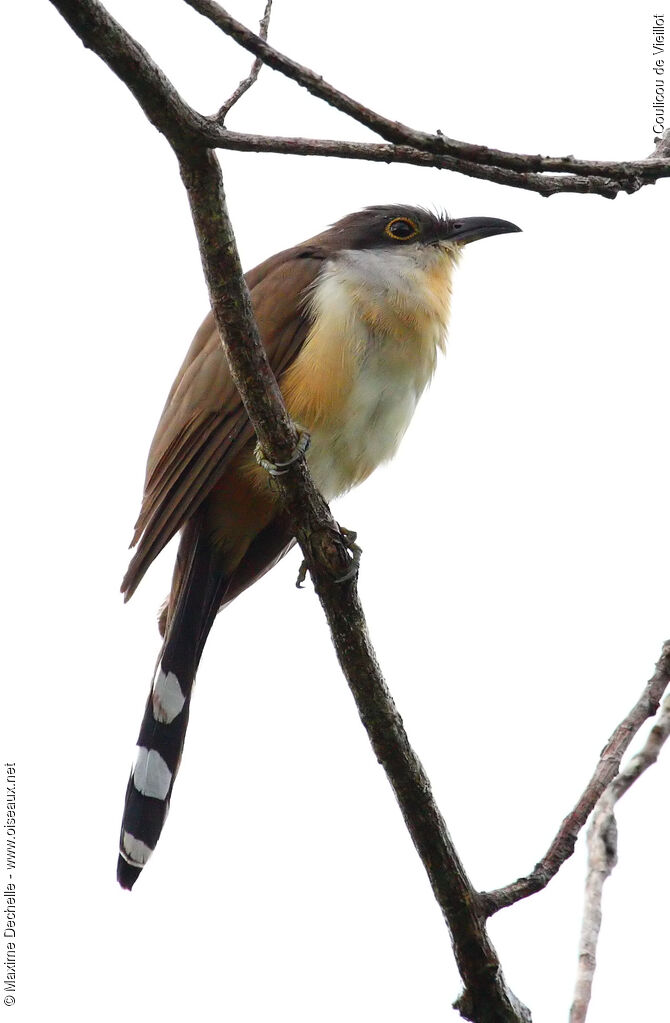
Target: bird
(353,320)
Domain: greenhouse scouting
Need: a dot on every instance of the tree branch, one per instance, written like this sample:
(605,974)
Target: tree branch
(182,125)
(247,82)
(486,997)
(374,152)
(662,147)
(563,844)
(629,175)
(602,846)
(131,63)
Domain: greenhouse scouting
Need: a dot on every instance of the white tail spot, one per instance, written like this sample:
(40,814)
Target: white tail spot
(168,699)
(151,775)
(133,851)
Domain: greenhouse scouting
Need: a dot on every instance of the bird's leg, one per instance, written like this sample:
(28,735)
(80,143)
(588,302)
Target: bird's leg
(279,468)
(349,537)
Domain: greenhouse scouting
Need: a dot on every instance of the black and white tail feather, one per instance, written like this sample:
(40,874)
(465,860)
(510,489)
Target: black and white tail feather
(161,739)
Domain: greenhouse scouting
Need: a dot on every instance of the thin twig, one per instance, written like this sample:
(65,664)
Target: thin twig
(247,82)
(602,858)
(486,997)
(563,844)
(392,131)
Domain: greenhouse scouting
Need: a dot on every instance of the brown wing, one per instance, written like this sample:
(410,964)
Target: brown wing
(203,424)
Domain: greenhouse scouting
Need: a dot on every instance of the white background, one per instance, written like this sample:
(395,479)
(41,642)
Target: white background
(516,553)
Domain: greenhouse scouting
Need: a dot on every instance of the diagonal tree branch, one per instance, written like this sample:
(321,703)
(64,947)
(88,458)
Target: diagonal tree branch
(247,82)
(486,997)
(602,846)
(563,844)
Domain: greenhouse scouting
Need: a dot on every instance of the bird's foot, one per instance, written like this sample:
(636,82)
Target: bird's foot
(349,537)
(279,468)
(302,575)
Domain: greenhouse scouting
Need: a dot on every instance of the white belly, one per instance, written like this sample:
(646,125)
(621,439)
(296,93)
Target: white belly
(368,430)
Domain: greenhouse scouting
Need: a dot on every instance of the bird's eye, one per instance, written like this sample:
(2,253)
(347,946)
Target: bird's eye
(401,229)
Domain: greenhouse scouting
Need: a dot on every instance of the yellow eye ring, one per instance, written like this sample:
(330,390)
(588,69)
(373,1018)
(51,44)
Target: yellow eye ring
(401,229)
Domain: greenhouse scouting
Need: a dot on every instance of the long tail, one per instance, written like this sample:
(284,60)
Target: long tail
(197,595)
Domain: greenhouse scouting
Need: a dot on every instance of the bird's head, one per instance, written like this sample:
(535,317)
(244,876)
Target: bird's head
(397,227)
(396,262)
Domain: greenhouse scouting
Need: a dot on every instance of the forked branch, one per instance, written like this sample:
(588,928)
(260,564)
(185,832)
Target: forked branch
(524,170)
(563,844)
(178,121)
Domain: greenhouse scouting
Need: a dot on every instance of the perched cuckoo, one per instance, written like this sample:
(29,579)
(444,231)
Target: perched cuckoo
(352,321)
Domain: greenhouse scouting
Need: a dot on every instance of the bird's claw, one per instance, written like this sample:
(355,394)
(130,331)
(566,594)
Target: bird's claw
(302,575)
(349,538)
(279,468)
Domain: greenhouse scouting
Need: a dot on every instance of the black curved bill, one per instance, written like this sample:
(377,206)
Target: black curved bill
(471,229)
